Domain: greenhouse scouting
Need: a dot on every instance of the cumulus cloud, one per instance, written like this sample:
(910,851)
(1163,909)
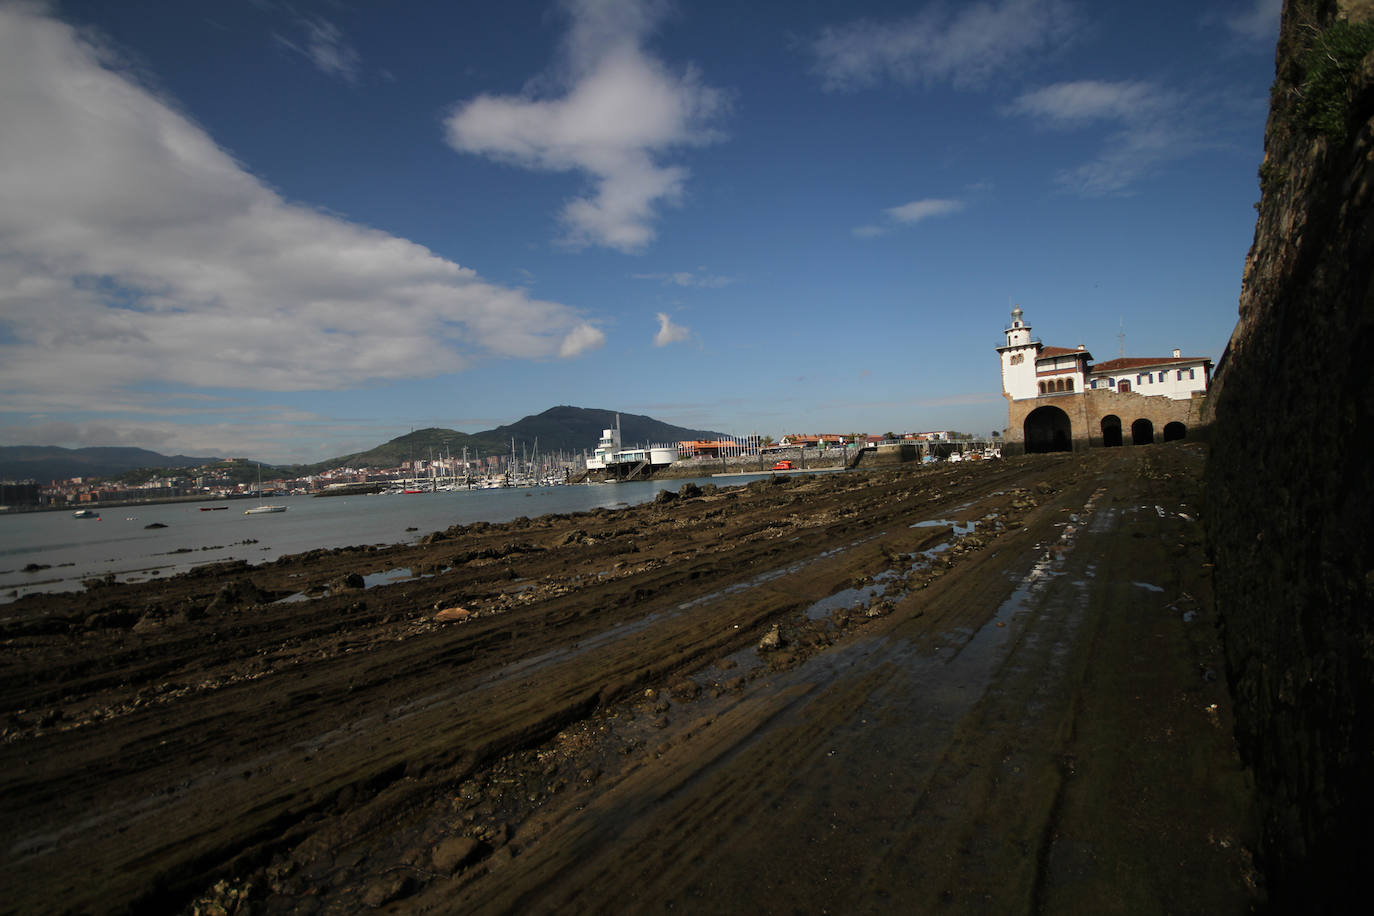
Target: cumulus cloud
(136,254)
(909,214)
(1147,126)
(325,46)
(615,113)
(580,339)
(960,44)
(669,333)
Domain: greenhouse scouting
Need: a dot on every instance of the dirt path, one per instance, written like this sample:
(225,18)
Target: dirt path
(977,691)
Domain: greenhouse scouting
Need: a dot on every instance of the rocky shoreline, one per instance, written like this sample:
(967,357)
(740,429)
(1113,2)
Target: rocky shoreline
(487,729)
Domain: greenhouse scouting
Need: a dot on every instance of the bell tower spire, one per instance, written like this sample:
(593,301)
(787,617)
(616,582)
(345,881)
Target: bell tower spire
(1018,334)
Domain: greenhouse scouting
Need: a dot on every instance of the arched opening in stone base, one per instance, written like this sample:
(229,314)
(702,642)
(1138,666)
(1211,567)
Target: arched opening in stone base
(1175,430)
(1111,430)
(1047,429)
(1142,432)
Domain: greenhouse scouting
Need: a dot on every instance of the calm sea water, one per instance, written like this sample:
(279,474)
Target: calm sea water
(74,549)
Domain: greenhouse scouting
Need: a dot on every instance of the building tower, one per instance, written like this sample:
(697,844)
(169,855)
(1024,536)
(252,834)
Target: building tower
(1018,359)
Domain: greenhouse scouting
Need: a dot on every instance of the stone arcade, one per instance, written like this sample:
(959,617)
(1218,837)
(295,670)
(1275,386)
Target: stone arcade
(1057,400)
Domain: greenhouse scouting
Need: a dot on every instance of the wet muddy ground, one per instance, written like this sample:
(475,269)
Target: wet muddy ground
(990,687)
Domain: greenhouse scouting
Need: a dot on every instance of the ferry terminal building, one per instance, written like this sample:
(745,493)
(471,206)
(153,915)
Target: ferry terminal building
(1057,400)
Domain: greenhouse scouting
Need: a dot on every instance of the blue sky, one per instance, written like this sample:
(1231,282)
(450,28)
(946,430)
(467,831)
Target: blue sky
(295,230)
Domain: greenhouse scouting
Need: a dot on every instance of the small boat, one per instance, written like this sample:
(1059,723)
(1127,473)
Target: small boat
(85,513)
(262,508)
(213,508)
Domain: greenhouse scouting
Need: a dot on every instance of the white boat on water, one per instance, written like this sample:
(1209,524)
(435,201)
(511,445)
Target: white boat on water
(262,508)
(85,513)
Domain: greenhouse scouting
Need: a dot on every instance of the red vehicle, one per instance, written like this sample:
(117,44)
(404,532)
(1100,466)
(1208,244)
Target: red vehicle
(784,465)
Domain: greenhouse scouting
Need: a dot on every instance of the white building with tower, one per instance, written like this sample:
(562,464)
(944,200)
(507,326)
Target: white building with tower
(1057,400)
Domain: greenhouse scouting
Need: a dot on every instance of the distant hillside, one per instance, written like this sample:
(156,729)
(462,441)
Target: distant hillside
(572,430)
(51,462)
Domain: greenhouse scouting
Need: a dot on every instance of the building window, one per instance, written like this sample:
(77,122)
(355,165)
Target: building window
(1180,376)
(1192,373)
(1068,384)
(1111,383)
(1140,379)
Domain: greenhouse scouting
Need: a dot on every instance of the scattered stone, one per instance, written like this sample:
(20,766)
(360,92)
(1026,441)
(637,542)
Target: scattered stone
(685,690)
(772,640)
(457,853)
(453,613)
(350,581)
(388,889)
(689,491)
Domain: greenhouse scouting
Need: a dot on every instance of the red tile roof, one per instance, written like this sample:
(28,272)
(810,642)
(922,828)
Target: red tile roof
(1062,351)
(1128,363)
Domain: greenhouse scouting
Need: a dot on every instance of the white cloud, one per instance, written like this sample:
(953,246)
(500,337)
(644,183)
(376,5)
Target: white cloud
(669,333)
(919,210)
(582,338)
(620,111)
(326,47)
(960,44)
(909,214)
(136,255)
(1148,126)
(1260,22)
(688,278)
(1086,100)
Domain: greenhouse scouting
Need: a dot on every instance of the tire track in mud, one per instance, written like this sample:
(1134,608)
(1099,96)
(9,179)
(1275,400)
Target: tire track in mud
(829,756)
(370,746)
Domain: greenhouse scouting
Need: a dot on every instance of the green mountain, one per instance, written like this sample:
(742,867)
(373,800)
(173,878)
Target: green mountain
(571,430)
(51,462)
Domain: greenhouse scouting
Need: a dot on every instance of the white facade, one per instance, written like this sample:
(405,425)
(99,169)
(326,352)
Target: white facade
(1032,370)
(609,452)
(1018,359)
(1179,377)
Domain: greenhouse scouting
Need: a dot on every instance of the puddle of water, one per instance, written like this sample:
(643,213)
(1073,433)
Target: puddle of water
(400,574)
(1147,586)
(843,599)
(371,580)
